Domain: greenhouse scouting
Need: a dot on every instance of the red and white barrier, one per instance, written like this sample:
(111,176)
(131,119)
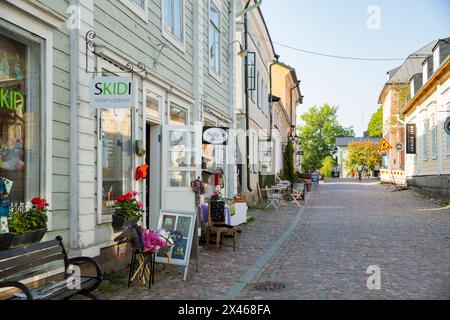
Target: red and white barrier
(393,176)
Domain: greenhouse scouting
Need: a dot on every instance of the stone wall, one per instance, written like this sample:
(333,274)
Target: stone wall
(435,186)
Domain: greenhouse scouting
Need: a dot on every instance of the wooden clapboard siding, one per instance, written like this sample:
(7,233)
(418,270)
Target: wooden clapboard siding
(217,91)
(119,27)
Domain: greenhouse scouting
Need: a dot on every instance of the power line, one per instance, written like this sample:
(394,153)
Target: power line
(336,56)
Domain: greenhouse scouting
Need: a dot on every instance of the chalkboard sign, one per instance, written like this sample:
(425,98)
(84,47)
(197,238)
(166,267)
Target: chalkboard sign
(411,138)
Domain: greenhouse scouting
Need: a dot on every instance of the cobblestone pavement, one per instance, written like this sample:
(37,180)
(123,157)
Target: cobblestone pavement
(350,226)
(219,270)
(345,227)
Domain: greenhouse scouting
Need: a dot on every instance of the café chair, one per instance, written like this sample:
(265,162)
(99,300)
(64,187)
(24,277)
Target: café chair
(217,224)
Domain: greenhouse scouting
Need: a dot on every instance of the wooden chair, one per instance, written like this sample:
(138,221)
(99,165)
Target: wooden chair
(217,224)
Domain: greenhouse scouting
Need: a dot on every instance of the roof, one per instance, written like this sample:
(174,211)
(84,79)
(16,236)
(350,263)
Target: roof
(345,141)
(411,66)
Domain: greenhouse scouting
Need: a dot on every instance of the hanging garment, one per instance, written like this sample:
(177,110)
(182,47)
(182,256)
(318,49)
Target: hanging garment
(4,227)
(4,199)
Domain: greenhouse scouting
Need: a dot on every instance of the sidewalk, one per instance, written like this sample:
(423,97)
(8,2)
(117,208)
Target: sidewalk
(219,271)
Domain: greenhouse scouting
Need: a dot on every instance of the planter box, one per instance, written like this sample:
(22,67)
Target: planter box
(121,222)
(13,240)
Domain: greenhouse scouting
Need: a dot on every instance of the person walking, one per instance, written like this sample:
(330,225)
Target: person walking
(366,171)
(360,172)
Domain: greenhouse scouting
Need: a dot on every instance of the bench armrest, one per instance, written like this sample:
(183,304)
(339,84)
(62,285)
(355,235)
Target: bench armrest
(81,260)
(18,285)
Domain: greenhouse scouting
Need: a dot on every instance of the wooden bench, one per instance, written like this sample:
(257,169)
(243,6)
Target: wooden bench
(22,263)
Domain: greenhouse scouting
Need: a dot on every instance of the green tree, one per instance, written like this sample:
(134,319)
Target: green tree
(318,135)
(363,153)
(327,166)
(375,127)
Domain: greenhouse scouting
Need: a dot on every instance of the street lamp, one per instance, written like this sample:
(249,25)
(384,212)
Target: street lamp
(242,52)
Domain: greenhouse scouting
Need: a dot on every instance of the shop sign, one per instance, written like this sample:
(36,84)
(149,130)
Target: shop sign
(11,99)
(215,135)
(399,147)
(447,126)
(112,92)
(411,139)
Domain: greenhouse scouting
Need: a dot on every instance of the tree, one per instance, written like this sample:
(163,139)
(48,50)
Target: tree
(363,153)
(375,127)
(288,161)
(327,166)
(318,135)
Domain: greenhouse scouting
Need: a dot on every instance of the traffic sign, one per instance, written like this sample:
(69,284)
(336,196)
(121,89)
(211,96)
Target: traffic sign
(399,147)
(447,126)
(385,146)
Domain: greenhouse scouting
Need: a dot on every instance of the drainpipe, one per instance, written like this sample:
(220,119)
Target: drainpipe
(292,89)
(247,99)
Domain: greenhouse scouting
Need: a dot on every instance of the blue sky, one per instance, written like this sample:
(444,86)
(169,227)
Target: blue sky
(340,28)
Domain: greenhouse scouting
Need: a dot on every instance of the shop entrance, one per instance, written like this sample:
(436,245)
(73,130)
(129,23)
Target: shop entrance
(153,182)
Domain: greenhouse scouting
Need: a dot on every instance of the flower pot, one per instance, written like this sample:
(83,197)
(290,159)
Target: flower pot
(13,240)
(121,222)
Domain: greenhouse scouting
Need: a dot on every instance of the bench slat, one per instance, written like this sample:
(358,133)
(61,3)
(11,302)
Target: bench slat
(31,264)
(18,260)
(27,249)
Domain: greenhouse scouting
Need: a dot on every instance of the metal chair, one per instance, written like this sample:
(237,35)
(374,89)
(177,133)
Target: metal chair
(273,197)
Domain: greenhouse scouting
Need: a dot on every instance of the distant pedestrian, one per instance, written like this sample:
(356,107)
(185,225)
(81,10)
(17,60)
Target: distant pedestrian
(366,171)
(360,168)
(338,171)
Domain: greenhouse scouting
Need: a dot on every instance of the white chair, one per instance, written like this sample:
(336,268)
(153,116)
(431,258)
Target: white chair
(273,197)
(298,195)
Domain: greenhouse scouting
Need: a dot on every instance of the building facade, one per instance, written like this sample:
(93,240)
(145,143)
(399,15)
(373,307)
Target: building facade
(428,170)
(80,158)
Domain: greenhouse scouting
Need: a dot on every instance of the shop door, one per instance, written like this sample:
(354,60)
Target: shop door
(181,164)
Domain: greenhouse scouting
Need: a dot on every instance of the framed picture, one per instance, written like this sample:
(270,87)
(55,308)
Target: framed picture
(181,227)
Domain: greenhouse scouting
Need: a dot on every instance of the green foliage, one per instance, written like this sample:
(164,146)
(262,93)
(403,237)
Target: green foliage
(318,135)
(288,161)
(111,282)
(33,219)
(128,206)
(327,165)
(375,127)
(364,153)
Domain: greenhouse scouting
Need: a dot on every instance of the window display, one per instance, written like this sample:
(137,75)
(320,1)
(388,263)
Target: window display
(20,115)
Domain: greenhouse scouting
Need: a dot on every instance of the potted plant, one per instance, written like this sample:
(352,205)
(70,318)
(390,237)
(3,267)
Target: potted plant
(26,227)
(127,211)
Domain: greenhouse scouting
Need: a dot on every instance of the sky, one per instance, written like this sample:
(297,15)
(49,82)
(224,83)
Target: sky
(345,28)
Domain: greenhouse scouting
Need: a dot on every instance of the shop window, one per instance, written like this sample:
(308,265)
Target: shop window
(116,142)
(20,113)
(152,107)
(182,159)
(265,149)
(215,50)
(173,20)
(178,115)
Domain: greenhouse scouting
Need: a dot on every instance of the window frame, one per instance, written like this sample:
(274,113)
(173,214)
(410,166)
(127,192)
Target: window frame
(180,44)
(141,12)
(212,71)
(433,146)
(447,153)
(436,58)
(424,143)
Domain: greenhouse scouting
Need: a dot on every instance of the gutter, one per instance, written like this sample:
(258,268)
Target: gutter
(249,8)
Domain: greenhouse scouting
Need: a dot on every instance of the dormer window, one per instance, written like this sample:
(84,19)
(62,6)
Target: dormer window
(436,59)
(412,87)
(425,73)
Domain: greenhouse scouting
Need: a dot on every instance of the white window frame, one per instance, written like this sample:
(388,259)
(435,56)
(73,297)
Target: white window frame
(433,139)
(31,25)
(212,72)
(424,143)
(107,218)
(169,36)
(411,85)
(139,11)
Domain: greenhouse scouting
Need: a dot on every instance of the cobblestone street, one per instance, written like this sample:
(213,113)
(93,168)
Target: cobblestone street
(345,227)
